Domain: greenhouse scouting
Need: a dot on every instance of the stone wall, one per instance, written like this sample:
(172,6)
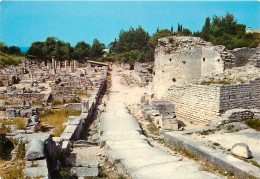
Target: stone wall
(19,97)
(183,59)
(246,96)
(196,102)
(207,103)
(243,55)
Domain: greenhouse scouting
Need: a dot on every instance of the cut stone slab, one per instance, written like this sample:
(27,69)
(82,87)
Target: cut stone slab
(37,163)
(105,138)
(118,132)
(241,150)
(127,144)
(116,156)
(130,165)
(34,172)
(82,163)
(168,170)
(35,149)
(85,171)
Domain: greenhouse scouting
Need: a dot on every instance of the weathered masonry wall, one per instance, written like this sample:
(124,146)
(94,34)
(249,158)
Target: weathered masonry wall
(243,55)
(19,97)
(196,102)
(245,96)
(207,103)
(180,60)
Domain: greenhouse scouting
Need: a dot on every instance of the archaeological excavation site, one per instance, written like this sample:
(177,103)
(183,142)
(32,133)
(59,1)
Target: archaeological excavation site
(139,89)
(193,113)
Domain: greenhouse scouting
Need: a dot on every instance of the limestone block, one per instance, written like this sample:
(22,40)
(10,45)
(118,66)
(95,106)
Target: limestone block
(85,171)
(35,149)
(26,112)
(10,113)
(169,124)
(85,106)
(241,150)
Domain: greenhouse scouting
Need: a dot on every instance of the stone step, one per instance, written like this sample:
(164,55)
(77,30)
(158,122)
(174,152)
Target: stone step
(180,170)
(105,138)
(85,171)
(82,163)
(127,144)
(133,164)
(123,132)
(115,156)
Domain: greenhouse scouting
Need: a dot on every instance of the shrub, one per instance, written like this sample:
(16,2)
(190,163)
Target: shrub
(20,152)
(253,123)
(215,82)
(56,118)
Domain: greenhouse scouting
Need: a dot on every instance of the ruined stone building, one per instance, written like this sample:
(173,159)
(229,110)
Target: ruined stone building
(179,61)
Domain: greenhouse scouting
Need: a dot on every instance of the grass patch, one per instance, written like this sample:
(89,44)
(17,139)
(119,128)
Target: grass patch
(222,82)
(83,95)
(14,170)
(216,144)
(230,127)
(153,129)
(148,118)
(36,103)
(20,152)
(4,130)
(207,132)
(253,123)
(12,103)
(102,173)
(6,60)
(19,122)
(57,103)
(55,118)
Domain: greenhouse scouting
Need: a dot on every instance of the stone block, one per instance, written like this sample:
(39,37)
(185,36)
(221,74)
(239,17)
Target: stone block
(35,149)
(26,112)
(85,171)
(10,113)
(241,150)
(85,106)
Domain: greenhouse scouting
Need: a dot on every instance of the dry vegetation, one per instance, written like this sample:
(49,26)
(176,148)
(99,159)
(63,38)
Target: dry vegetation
(12,170)
(83,95)
(55,119)
(19,122)
(253,123)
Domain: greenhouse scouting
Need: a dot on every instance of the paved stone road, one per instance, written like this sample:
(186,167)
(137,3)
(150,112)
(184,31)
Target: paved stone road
(126,145)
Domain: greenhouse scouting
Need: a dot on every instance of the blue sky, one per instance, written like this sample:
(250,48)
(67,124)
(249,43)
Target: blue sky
(23,22)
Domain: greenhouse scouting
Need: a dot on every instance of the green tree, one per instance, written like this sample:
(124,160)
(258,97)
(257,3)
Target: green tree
(81,50)
(14,50)
(3,47)
(97,48)
(36,50)
(186,32)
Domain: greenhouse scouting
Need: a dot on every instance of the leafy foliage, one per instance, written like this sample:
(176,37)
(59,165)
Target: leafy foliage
(6,59)
(63,50)
(13,50)
(136,45)
(226,31)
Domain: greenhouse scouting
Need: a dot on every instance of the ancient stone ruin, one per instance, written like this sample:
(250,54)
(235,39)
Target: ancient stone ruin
(197,117)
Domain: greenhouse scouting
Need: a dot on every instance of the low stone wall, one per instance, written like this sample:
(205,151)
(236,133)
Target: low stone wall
(72,98)
(243,55)
(76,106)
(195,102)
(207,103)
(216,158)
(19,97)
(246,96)
(76,124)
